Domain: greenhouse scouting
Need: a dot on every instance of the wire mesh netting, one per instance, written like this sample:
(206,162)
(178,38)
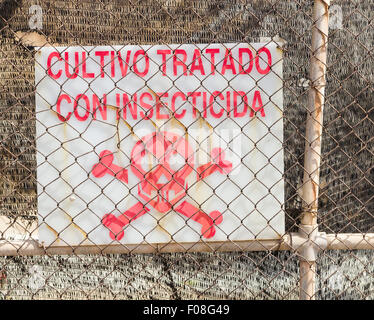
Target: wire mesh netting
(345,201)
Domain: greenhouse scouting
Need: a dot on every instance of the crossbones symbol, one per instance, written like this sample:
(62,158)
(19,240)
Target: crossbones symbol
(162,187)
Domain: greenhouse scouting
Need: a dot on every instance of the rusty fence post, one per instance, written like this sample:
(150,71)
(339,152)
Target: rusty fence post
(312,157)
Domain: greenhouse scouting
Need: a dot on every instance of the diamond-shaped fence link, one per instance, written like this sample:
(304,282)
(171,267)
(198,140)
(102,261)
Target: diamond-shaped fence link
(297,220)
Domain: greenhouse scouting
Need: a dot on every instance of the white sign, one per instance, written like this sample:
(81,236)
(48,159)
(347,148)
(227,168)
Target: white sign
(152,144)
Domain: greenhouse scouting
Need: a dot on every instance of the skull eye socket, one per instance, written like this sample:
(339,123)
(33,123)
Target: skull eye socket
(148,161)
(176,161)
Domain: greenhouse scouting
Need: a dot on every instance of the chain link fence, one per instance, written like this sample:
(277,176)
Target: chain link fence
(320,159)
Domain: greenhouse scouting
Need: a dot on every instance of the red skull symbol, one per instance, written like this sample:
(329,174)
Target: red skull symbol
(168,185)
(161,186)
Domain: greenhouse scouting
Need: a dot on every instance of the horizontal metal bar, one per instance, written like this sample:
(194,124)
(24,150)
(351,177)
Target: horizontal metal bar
(32,247)
(291,242)
(350,241)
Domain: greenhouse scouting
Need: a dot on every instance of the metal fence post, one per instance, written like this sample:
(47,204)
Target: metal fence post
(313,142)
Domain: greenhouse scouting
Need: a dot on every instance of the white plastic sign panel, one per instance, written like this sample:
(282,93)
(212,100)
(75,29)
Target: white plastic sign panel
(153,144)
